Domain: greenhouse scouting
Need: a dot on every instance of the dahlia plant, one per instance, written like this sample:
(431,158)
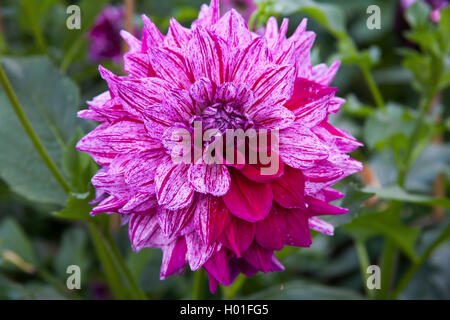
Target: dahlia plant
(227,218)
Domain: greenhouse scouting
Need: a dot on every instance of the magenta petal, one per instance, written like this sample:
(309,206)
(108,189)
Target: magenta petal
(210,178)
(321,226)
(172,186)
(144,231)
(140,203)
(197,251)
(140,171)
(238,235)
(248,200)
(211,218)
(106,141)
(300,148)
(298,233)
(253,172)
(151,37)
(174,257)
(218,266)
(206,54)
(289,189)
(271,232)
(177,35)
(233,29)
(318,207)
(176,222)
(261,258)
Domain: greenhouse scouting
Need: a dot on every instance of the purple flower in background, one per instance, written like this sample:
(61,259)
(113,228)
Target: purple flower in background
(244,7)
(104,37)
(226,218)
(436,7)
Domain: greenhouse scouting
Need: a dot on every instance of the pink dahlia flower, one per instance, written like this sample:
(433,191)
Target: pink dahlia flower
(223,217)
(104,37)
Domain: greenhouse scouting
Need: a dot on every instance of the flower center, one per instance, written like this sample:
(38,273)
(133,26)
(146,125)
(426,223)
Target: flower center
(223,116)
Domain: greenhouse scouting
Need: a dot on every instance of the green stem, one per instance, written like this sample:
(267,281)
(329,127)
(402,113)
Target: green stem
(136,290)
(198,286)
(387,270)
(71,53)
(111,274)
(374,90)
(46,276)
(230,292)
(364,263)
(416,266)
(31,133)
(424,106)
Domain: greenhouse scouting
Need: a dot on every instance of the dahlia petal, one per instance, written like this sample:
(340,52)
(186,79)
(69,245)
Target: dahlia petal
(211,218)
(144,231)
(260,258)
(206,55)
(324,75)
(233,29)
(172,185)
(137,64)
(238,236)
(209,15)
(171,66)
(300,148)
(273,86)
(288,190)
(298,233)
(255,54)
(198,252)
(273,117)
(218,267)
(140,95)
(202,91)
(209,178)
(106,141)
(140,171)
(133,43)
(177,35)
(110,205)
(254,173)
(310,102)
(140,203)
(151,36)
(271,232)
(248,200)
(174,257)
(176,222)
(321,226)
(318,207)
(323,172)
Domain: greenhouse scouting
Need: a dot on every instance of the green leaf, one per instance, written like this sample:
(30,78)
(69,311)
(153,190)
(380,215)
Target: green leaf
(388,128)
(77,207)
(399,194)
(304,290)
(330,16)
(77,165)
(389,225)
(72,251)
(418,14)
(13,238)
(50,101)
(353,200)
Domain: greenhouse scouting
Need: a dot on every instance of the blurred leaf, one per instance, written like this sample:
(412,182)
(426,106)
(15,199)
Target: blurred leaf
(72,251)
(386,128)
(50,102)
(418,14)
(389,225)
(330,16)
(397,193)
(13,238)
(138,261)
(353,200)
(303,290)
